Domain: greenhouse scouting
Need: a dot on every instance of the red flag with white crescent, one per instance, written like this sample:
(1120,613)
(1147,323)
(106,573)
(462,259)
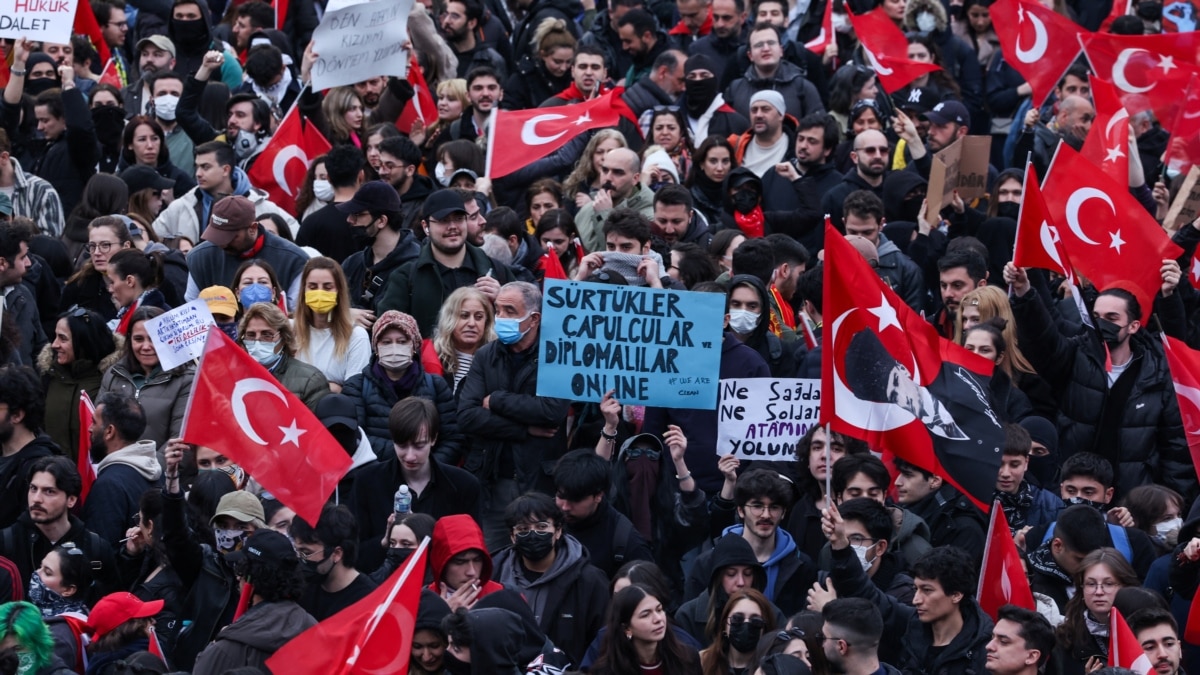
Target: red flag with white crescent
(1107,143)
(886,50)
(1184,363)
(1149,71)
(1002,579)
(529,135)
(826,37)
(1037,42)
(280,168)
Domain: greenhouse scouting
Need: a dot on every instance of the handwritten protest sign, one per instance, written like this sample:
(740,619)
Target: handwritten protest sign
(39,20)
(962,166)
(763,418)
(651,346)
(1186,206)
(178,335)
(359,42)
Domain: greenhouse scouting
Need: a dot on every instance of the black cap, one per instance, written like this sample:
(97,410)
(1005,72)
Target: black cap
(140,176)
(376,195)
(266,546)
(337,409)
(949,111)
(441,204)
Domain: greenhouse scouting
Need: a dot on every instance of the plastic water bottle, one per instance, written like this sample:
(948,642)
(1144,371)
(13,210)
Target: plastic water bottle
(402,502)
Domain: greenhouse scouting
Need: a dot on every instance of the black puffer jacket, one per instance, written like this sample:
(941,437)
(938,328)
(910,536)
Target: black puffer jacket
(374,398)
(531,85)
(1149,446)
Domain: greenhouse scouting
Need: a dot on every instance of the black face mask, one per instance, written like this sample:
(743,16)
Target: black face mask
(1008,210)
(361,238)
(311,574)
(1149,11)
(1073,501)
(1109,332)
(744,201)
(110,122)
(35,86)
(910,210)
(699,94)
(535,546)
(397,556)
(744,636)
(191,35)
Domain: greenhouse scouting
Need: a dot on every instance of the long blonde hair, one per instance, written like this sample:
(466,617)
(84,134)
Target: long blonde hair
(337,101)
(443,335)
(993,302)
(584,173)
(340,323)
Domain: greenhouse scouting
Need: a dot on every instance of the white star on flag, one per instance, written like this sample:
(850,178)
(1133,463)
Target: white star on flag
(583,119)
(1166,62)
(886,313)
(1113,153)
(1117,241)
(292,434)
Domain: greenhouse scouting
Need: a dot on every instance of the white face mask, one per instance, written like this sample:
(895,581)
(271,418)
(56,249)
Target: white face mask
(1166,527)
(926,22)
(228,540)
(261,351)
(439,173)
(323,190)
(742,322)
(861,552)
(164,107)
(395,356)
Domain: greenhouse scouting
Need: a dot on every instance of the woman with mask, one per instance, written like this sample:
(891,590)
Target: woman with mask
(1157,511)
(61,582)
(745,618)
(255,281)
(1083,635)
(82,349)
(162,394)
(734,567)
(144,142)
(326,336)
(394,374)
(405,532)
(713,162)
(750,322)
(108,117)
(639,638)
(455,155)
(316,191)
(266,335)
(466,323)
(31,640)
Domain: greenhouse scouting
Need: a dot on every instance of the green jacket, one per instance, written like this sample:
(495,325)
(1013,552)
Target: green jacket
(591,223)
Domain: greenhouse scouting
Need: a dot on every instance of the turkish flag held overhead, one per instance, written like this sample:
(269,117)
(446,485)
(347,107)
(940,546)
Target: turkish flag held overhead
(1108,234)
(1183,148)
(886,49)
(520,137)
(281,443)
(371,637)
(826,37)
(1149,71)
(281,167)
(1107,143)
(1037,42)
(889,379)
(1002,579)
(87,472)
(1124,651)
(421,106)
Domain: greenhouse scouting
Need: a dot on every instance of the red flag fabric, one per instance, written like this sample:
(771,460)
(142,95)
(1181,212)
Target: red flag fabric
(1149,71)
(1184,363)
(281,11)
(87,412)
(87,26)
(1119,9)
(422,105)
(111,74)
(552,267)
(529,135)
(281,167)
(889,379)
(1037,42)
(372,636)
(1107,143)
(1193,270)
(1002,578)
(1183,148)
(282,445)
(826,37)
(887,50)
(1124,651)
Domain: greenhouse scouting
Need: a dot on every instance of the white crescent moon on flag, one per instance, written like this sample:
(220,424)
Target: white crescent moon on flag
(249,386)
(1047,235)
(1076,201)
(1192,394)
(868,415)
(280,165)
(529,134)
(879,68)
(1040,41)
(1114,120)
(1118,72)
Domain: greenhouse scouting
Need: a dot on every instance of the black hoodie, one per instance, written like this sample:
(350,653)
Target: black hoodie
(505,643)
(780,360)
(731,549)
(192,39)
(14,476)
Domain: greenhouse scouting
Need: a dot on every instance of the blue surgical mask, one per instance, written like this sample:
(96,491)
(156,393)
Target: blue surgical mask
(255,293)
(509,332)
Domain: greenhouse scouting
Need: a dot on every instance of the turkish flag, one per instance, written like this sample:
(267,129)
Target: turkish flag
(1107,143)
(826,37)
(281,167)
(551,266)
(537,132)
(1119,9)
(87,26)
(1122,245)
(886,49)
(889,379)
(1193,271)
(1149,71)
(1183,148)
(87,413)
(1002,578)
(1184,363)
(111,74)
(281,443)
(421,106)
(1037,42)
(1124,651)
(372,636)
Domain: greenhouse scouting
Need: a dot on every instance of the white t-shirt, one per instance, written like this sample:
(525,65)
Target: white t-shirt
(337,370)
(760,160)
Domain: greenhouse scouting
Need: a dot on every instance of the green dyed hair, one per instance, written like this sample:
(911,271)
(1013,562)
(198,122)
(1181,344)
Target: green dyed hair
(24,622)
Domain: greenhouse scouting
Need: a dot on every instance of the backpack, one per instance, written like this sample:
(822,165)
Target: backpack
(1119,536)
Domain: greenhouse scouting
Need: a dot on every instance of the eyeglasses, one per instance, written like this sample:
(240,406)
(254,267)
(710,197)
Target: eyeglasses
(306,555)
(77,312)
(859,540)
(265,336)
(1108,586)
(758,508)
(883,150)
(102,246)
(541,528)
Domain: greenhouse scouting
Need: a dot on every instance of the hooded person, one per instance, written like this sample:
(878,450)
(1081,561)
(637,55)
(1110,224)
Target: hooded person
(734,566)
(754,328)
(429,640)
(903,192)
(36,85)
(460,561)
(190,30)
(500,642)
(707,112)
(1044,459)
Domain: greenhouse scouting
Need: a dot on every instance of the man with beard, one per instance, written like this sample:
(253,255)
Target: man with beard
(959,273)
(485,93)
(459,25)
(707,112)
(620,170)
(768,142)
(370,91)
(1070,124)
(20,306)
(399,159)
(796,187)
(870,157)
(642,40)
(1158,633)
(154,54)
(126,467)
(166,89)
(248,117)
(375,216)
(54,487)
(446,263)
(676,220)
(721,45)
(589,78)
(22,440)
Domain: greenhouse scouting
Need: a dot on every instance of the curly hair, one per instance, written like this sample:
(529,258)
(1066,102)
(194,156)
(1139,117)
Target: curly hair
(443,334)
(585,169)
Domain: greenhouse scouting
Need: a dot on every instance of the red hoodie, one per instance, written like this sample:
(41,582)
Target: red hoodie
(453,535)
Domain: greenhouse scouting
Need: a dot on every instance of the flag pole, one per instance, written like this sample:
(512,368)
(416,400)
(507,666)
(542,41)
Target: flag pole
(828,466)
(491,143)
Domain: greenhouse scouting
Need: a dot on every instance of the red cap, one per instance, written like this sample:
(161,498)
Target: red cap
(117,608)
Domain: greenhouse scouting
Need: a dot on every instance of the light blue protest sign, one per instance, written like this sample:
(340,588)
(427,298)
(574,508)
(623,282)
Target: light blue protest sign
(650,346)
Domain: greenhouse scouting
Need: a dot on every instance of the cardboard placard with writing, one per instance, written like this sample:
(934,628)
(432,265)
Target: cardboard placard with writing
(361,41)
(1186,206)
(178,335)
(962,166)
(763,418)
(649,346)
(37,20)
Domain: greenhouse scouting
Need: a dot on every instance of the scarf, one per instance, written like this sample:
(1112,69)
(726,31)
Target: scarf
(785,317)
(1098,630)
(1042,560)
(1016,506)
(752,224)
(255,249)
(274,93)
(404,386)
(50,602)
